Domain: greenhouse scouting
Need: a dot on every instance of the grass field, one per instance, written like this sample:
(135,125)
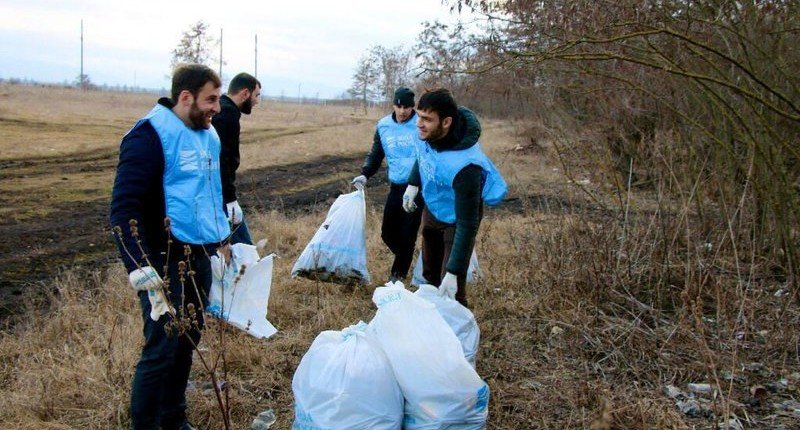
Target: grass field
(565,344)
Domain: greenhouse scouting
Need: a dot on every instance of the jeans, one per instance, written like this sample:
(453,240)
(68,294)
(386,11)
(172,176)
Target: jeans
(158,395)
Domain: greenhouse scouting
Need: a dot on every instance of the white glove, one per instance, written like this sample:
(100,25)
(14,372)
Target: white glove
(145,279)
(449,286)
(359,182)
(217,267)
(408,198)
(158,304)
(235,215)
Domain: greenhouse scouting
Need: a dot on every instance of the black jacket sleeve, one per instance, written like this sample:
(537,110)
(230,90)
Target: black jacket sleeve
(413,177)
(138,194)
(467,186)
(227,125)
(375,157)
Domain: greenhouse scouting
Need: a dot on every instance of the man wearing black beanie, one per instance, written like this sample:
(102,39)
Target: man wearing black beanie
(396,138)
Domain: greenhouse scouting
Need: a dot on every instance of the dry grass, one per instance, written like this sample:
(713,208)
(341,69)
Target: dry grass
(575,331)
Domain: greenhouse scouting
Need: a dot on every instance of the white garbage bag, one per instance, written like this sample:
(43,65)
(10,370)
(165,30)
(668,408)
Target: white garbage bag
(338,251)
(344,381)
(458,317)
(473,272)
(441,389)
(240,290)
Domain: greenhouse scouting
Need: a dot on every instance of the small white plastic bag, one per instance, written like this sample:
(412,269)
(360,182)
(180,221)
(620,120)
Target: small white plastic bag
(240,290)
(344,381)
(338,251)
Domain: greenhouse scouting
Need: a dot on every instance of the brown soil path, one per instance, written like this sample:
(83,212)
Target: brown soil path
(75,235)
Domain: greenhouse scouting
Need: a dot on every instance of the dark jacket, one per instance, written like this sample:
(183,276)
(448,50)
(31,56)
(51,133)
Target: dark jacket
(138,194)
(226,122)
(467,186)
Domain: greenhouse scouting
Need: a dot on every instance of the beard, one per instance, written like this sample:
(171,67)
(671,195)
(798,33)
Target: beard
(198,118)
(247,106)
(436,133)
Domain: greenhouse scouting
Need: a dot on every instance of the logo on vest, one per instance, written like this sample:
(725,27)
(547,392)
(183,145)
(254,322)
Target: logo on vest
(188,161)
(192,160)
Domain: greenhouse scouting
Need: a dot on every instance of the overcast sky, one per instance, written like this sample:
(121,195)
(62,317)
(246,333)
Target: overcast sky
(305,47)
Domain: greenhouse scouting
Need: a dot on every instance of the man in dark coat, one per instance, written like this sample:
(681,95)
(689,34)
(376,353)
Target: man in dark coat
(396,139)
(166,212)
(244,92)
(456,178)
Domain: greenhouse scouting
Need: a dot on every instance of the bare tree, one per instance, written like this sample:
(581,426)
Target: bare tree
(701,96)
(394,67)
(196,46)
(365,81)
(84,82)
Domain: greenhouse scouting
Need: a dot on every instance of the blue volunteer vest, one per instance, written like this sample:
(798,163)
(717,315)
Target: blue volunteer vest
(192,184)
(438,169)
(400,143)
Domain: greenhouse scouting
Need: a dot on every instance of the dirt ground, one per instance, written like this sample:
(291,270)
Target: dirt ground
(76,235)
(57,169)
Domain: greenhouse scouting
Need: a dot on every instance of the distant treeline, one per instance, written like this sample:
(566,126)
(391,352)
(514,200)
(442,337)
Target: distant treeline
(342,100)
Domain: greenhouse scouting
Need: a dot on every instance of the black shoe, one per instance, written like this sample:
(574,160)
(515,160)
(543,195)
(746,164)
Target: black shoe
(395,277)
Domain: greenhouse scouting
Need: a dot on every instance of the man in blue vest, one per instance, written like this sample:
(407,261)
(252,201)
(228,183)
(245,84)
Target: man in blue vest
(166,212)
(244,92)
(396,139)
(456,179)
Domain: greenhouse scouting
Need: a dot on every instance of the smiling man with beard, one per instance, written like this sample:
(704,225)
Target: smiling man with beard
(169,169)
(244,92)
(456,178)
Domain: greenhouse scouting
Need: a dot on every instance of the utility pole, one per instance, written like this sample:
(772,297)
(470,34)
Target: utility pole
(81,78)
(220,53)
(256,57)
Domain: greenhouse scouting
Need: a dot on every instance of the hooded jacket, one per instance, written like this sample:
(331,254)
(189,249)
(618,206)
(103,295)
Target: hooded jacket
(467,185)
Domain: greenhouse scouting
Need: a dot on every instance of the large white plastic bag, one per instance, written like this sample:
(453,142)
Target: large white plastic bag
(338,250)
(473,272)
(441,389)
(344,381)
(458,317)
(242,303)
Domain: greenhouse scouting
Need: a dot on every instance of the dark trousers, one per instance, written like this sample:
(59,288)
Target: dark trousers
(437,242)
(158,395)
(399,229)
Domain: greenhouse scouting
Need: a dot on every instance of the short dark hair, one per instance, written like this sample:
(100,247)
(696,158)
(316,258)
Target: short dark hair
(439,100)
(242,81)
(192,77)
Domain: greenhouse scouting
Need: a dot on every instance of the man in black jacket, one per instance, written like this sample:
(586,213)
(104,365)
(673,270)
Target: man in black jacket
(456,179)
(243,94)
(396,139)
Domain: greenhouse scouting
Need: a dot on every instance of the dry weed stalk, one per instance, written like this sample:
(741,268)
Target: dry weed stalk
(183,321)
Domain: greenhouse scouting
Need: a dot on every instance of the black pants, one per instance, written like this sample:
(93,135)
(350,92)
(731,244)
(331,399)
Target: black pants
(437,243)
(399,229)
(158,397)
